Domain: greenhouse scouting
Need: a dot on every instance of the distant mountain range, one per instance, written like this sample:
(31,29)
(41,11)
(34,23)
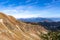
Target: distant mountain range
(39,19)
(48,23)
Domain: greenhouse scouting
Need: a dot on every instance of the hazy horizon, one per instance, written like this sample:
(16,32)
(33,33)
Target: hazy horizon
(31,8)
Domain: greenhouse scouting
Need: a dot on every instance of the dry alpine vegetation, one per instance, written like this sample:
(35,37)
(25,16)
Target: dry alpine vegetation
(12,29)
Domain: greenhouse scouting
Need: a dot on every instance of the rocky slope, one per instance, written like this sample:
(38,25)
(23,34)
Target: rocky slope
(12,29)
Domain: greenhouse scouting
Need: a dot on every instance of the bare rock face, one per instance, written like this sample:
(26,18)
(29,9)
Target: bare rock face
(12,29)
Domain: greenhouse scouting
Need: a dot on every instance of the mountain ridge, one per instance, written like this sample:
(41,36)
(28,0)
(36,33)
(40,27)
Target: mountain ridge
(13,29)
(39,19)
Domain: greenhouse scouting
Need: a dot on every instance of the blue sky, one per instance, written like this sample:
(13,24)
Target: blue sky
(30,8)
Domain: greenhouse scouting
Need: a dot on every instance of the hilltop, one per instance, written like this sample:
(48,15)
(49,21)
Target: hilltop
(12,29)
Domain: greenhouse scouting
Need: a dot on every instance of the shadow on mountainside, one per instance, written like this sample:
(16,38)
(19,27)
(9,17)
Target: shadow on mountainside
(52,26)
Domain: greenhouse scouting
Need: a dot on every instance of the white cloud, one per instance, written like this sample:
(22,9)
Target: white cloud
(17,11)
(24,12)
(32,3)
(51,4)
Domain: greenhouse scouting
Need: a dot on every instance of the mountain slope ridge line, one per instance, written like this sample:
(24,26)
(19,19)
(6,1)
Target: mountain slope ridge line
(18,30)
